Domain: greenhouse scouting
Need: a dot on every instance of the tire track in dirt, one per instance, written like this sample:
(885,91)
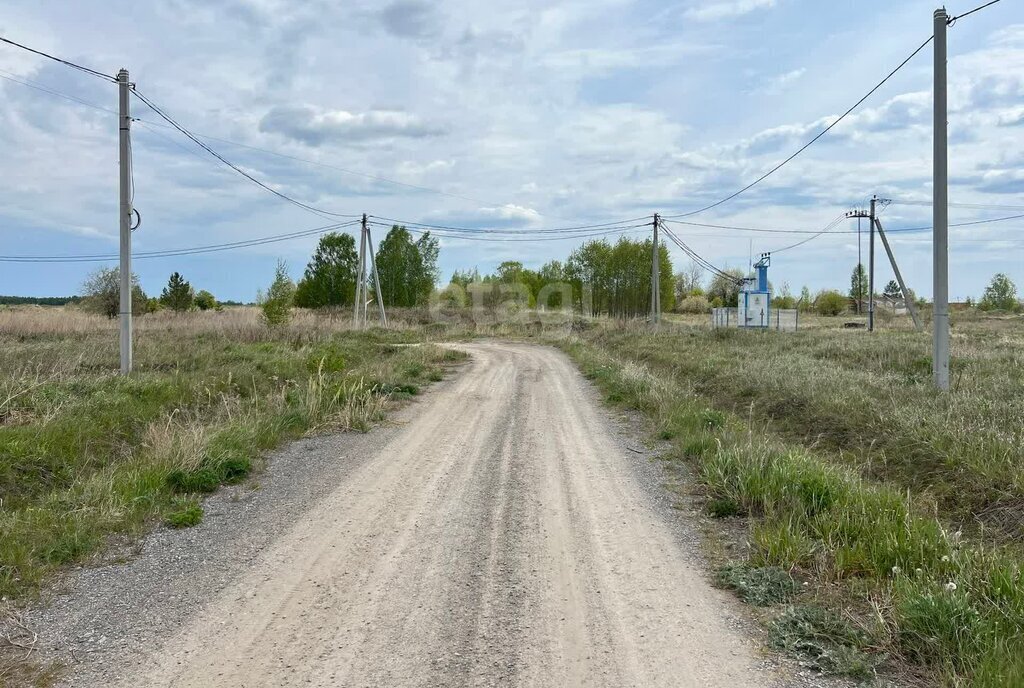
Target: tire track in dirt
(499,538)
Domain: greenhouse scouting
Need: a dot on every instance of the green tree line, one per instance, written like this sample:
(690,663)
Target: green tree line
(407,269)
(598,278)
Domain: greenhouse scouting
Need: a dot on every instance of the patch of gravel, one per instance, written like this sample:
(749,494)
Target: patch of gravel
(100,617)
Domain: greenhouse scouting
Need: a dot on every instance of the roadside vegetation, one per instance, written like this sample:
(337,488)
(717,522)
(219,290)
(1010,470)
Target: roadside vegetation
(884,522)
(86,454)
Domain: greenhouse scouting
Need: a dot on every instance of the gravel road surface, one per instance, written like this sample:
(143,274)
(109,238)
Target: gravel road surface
(500,534)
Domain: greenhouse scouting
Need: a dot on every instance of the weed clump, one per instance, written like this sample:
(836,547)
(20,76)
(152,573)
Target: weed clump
(824,640)
(724,507)
(761,586)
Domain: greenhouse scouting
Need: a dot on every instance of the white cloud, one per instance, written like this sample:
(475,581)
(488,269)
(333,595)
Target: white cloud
(314,126)
(716,11)
(414,169)
(777,84)
(512,213)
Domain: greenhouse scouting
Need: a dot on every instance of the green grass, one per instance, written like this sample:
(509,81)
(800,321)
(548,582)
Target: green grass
(86,454)
(184,513)
(807,440)
(868,399)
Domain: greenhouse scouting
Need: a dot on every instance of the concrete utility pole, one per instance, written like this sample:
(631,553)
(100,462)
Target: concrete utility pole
(940,211)
(871,269)
(376,277)
(357,306)
(125,209)
(656,275)
(899,277)
(860,273)
(359,310)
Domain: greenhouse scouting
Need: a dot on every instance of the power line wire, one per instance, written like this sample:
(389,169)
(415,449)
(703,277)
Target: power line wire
(974,206)
(68,63)
(818,231)
(697,258)
(475,236)
(166,253)
(960,224)
(812,141)
(827,229)
(508,230)
(953,20)
(15,78)
(192,137)
(40,87)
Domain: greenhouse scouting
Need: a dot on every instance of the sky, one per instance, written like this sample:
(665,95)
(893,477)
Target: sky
(528,114)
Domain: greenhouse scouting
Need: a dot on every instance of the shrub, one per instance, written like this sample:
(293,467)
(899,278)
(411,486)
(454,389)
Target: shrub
(276,304)
(101,293)
(694,305)
(830,303)
(205,301)
(1000,295)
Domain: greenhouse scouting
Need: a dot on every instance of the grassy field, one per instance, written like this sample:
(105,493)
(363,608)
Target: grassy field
(857,489)
(876,524)
(86,454)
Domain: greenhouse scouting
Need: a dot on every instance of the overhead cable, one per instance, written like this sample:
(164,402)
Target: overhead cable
(809,143)
(697,258)
(195,139)
(518,237)
(507,230)
(366,175)
(827,229)
(818,231)
(973,206)
(192,250)
(68,63)
(953,20)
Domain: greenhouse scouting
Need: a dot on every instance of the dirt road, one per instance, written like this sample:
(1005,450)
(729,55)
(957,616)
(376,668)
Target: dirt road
(499,538)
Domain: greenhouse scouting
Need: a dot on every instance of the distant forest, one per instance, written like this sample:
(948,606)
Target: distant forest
(38,300)
(65,300)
